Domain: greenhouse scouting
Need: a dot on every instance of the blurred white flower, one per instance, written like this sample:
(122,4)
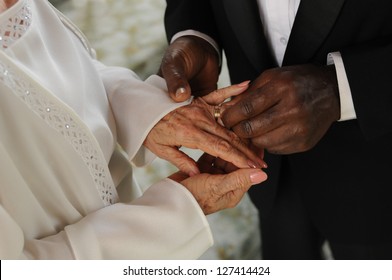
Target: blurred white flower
(125,33)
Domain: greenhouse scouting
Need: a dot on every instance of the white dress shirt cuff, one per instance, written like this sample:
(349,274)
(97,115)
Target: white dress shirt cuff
(347,110)
(191,32)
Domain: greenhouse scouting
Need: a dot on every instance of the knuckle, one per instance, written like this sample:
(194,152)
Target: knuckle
(223,146)
(244,129)
(269,117)
(236,141)
(230,200)
(299,132)
(242,183)
(183,133)
(247,108)
(303,135)
(262,142)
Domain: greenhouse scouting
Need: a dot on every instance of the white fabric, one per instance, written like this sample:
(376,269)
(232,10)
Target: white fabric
(278,19)
(201,35)
(51,206)
(347,111)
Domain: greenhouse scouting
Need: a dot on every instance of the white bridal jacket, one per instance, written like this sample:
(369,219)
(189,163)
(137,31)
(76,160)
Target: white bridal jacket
(66,188)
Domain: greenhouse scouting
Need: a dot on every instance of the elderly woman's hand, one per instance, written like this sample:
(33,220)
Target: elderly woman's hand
(197,126)
(215,191)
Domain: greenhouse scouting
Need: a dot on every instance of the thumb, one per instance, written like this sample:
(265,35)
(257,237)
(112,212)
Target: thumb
(173,70)
(236,184)
(257,176)
(185,164)
(243,179)
(180,160)
(179,90)
(177,84)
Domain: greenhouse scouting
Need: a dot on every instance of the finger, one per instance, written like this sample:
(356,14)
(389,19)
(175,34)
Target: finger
(243,179)
(258,150)
(229,150)
(180,160)
(270,141)
(190,67)
(217,192)
(264,78)
(205,134)
(260,124)
(177,68)
(220,95)
(282,141)
(176,80)
(234,185)
(222,143)
(249,105)
(225,166)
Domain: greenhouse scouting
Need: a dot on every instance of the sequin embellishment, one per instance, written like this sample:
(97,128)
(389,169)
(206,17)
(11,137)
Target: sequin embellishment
(14,27)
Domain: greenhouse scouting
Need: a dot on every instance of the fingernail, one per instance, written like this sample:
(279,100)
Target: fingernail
(257,176)
(260,164)
(252,164)
(243,84)
(180,91)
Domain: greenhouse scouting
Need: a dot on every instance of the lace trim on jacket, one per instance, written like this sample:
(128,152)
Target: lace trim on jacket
(15,26)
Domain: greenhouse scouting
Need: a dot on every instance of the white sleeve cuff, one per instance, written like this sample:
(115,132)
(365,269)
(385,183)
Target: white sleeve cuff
(347,110)
(137,106)
(191,32)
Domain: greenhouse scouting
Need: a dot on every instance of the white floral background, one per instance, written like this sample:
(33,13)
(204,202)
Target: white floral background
(130,33)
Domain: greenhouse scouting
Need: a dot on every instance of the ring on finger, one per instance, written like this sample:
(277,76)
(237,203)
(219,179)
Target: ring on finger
(217,111)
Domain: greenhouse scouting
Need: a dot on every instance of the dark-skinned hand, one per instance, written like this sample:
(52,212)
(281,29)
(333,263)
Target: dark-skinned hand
(286,110)
(190,66)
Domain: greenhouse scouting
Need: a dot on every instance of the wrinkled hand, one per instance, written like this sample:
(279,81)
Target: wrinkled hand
(190,66)
(287,110)
(194,126)
(214,191)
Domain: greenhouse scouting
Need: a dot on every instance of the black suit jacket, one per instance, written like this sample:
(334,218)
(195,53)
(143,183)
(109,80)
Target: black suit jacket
(345,179)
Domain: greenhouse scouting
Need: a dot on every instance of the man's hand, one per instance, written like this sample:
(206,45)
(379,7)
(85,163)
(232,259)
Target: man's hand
(190,66)
(286,110)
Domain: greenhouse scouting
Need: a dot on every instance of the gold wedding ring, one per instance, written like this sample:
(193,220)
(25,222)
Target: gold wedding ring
(217,112)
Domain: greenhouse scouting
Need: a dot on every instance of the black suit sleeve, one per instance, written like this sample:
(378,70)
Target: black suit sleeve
(369,72)
(182,15)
